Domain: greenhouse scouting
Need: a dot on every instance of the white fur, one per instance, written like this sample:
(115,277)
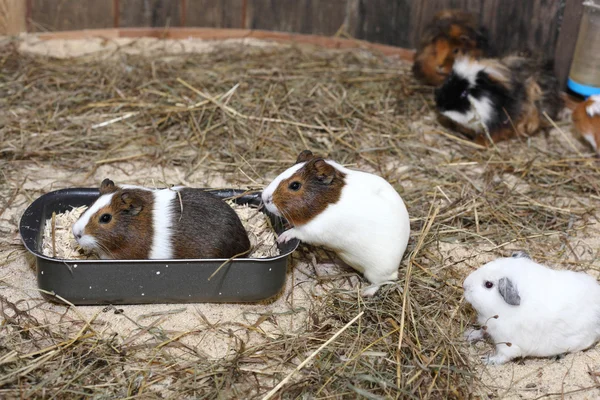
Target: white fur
(162,222)
(559,311)
(88,242)
(368,227)
(468,69)
(594,108)
(481,112)
(591,140)
(267,194)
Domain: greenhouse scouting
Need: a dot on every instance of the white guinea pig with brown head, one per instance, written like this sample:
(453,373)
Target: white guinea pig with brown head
(358,215)
(531,310)
(132,222)
(586,119)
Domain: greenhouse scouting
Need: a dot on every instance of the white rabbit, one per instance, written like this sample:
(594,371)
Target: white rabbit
(358,215)
(531,310)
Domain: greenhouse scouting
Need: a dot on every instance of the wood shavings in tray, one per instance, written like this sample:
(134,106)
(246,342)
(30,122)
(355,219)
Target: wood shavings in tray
(260,232)
(65,247)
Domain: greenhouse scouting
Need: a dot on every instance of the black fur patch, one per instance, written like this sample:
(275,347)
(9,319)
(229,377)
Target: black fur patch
(451,95)
(208,228)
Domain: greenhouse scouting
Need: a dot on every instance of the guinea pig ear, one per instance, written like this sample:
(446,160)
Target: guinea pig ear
(131,204)
(509,292)
(467,41)
(521,254)
(325,172)
(107,186)
(305,155)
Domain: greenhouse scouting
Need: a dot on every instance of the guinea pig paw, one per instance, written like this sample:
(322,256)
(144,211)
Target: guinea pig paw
(472,335)
(370,290)
(494,360)
(287,236)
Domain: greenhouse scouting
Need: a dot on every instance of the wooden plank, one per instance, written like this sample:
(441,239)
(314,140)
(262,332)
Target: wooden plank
(152,13)
(514,25)
(316,17)
(425,10)
(62,15)
(12,17)
(214,13)
(382,21)
(567,38)
(221,34)
(517,25)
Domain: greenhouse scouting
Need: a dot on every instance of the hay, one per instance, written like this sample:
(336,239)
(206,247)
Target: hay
(58,240)
(244,114)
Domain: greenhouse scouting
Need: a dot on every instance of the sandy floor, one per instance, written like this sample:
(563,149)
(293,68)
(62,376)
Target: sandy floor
(569,378)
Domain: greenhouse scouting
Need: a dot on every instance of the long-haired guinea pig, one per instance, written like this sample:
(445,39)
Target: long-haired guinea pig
(503,97)
(531,310)
(358,215)
(586,119)
(451,33)
(132,222)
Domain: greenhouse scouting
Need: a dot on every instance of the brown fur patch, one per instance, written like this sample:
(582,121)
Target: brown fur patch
(497,72)
(320,185)
(534,91)
(584,124)
(451,34)
(129,233)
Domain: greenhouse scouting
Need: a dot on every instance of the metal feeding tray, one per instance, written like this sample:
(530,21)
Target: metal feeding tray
(149,281)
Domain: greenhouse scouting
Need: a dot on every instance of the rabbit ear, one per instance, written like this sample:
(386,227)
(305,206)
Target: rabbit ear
(509,292)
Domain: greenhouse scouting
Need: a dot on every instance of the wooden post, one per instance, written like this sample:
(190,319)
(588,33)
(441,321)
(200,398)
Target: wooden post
(567,38)
(12,17)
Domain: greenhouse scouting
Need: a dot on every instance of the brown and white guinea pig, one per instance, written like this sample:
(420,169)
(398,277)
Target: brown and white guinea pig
(358,215)
(505,97)
(133,222)
(451,34)
(586,119)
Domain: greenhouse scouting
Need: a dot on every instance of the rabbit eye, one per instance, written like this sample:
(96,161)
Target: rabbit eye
(295,186)
(464,94)
(105,218)
(489,284)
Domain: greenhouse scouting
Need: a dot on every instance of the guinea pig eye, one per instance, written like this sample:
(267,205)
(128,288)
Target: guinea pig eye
(295,186)
(455,51)
(105,218)
(489,284)
(464,94)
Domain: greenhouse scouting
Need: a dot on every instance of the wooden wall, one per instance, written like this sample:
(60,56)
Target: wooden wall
(547,25)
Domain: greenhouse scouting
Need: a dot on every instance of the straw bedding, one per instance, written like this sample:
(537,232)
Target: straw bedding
(236,117)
